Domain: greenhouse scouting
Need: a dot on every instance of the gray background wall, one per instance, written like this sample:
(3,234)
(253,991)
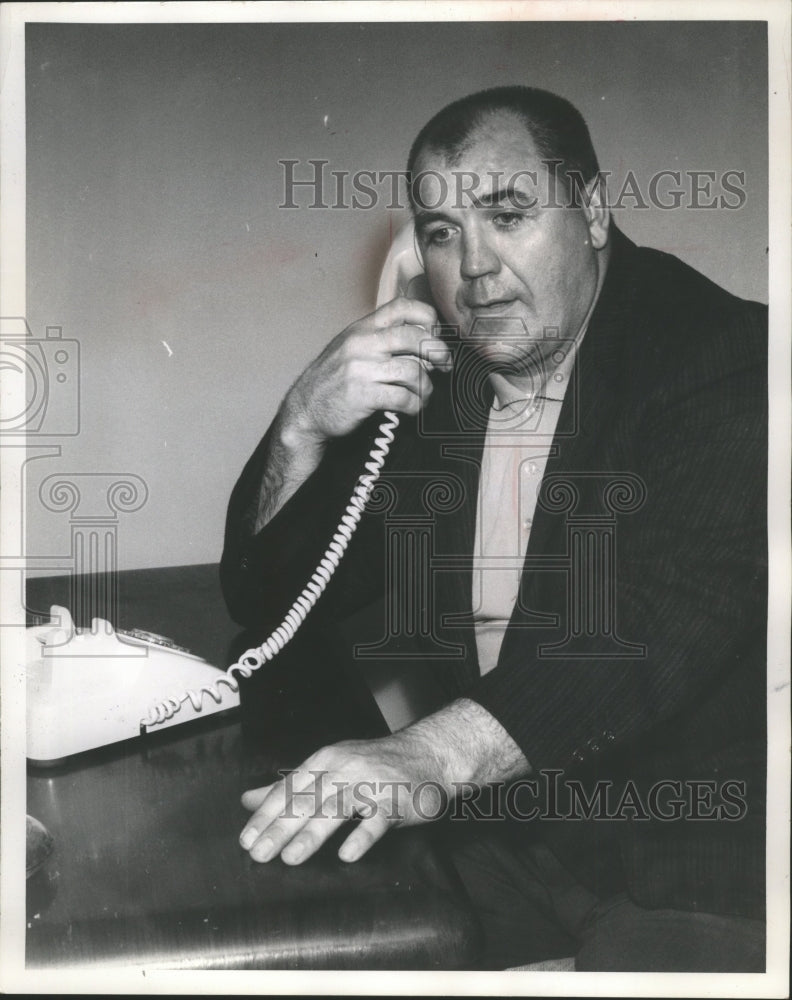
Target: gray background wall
(153,187)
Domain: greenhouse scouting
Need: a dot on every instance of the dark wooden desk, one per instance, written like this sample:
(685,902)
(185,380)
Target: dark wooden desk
(147,869)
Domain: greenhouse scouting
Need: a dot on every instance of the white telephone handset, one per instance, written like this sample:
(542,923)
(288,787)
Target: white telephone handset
(402,272)
(89,689)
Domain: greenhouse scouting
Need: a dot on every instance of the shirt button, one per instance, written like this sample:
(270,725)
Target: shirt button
(609,736)
(577,754)
(244,564)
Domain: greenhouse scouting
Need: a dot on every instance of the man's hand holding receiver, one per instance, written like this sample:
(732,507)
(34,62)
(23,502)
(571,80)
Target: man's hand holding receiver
(380,362)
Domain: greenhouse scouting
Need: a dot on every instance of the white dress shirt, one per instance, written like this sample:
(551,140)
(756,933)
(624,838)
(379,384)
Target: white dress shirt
(520,429)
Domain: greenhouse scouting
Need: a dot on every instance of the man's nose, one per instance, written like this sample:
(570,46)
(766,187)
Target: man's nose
(478,257)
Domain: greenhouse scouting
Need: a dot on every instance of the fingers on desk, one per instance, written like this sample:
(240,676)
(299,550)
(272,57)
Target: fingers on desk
(294,816)
(270,801)
(364,836)
(335,810)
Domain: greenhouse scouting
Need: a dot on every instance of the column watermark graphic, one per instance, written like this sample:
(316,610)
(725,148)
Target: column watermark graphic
(590,560)
(409,558)
(93,502)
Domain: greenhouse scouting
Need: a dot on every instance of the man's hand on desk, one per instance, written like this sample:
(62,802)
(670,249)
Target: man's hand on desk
(382,781)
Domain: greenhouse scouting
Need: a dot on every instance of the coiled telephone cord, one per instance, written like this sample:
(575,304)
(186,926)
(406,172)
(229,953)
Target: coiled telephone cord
(298,612)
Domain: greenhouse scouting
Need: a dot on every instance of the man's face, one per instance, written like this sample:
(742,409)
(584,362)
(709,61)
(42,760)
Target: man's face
(496,252)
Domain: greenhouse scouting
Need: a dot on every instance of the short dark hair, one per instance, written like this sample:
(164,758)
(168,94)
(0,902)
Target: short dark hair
(556,127)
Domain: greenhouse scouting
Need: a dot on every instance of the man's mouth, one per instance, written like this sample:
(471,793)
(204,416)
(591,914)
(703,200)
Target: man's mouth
(490,307)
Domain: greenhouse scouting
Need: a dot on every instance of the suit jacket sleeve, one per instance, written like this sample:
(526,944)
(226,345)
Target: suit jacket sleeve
(263,572)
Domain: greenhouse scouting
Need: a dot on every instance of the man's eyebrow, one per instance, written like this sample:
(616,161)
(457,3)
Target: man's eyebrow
(427,215)
(509,195)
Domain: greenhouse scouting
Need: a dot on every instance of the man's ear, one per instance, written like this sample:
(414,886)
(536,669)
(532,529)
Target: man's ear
(597,211)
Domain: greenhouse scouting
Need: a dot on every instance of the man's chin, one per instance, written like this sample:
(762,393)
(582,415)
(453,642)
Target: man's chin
(508,359)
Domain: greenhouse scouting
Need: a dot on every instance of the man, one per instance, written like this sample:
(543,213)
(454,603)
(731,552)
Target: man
(617,371)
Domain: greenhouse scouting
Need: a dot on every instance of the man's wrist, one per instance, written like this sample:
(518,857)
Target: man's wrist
(297,441)
(468,744)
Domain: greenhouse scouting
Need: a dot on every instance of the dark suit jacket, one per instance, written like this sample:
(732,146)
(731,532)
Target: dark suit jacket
(636,653)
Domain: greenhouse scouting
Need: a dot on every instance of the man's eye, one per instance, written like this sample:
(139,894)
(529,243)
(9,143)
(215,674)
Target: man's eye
(508,220)
(439,236)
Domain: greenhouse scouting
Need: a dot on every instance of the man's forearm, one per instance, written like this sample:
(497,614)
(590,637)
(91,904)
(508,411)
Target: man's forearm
(291,459)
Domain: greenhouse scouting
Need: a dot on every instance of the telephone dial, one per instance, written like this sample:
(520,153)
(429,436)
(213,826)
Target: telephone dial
(87,689)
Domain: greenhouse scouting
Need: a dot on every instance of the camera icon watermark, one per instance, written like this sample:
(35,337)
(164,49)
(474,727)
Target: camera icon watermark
(41,381)
(542,362)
